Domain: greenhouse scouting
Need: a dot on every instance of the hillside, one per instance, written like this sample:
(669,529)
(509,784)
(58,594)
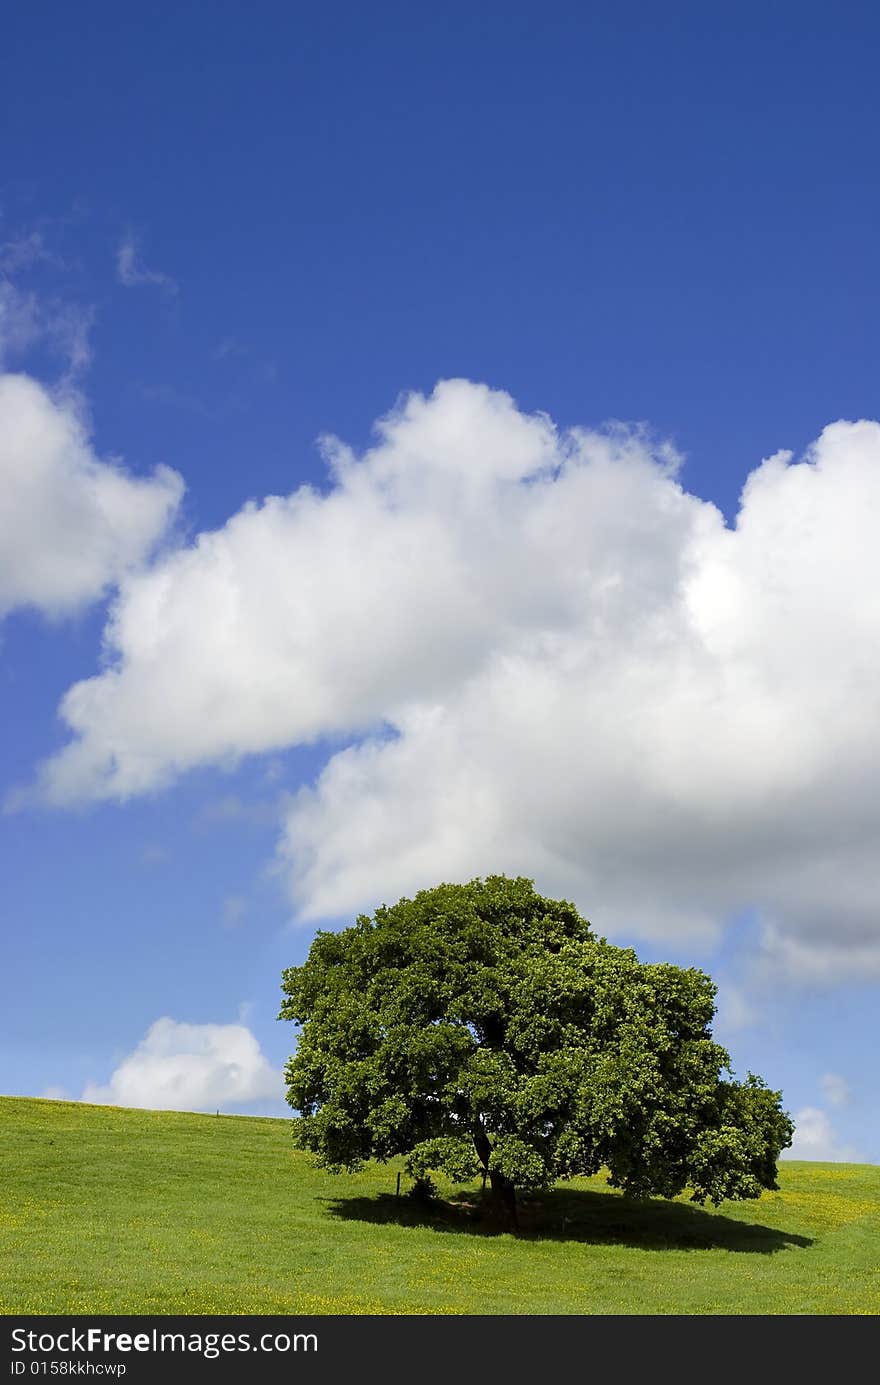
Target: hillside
(120,1211)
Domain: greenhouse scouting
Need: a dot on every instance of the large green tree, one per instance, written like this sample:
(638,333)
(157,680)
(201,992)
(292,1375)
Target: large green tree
(484,1028)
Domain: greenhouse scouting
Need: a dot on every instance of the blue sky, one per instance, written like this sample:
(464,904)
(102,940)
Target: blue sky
(505,631)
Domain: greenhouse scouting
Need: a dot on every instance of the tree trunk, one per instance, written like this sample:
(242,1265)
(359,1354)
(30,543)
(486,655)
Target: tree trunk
(503,1200)
(504,1194)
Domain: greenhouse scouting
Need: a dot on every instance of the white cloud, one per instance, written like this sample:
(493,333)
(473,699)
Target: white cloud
(71,524)
(554,661)
(56,1094)
(191,1067)
(836,1089)
(816,1138)
(132,273)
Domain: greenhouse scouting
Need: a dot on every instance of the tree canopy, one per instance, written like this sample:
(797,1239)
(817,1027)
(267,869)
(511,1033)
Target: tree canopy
(484,1028)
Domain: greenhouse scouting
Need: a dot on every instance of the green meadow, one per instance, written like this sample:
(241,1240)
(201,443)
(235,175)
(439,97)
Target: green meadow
(106,1210)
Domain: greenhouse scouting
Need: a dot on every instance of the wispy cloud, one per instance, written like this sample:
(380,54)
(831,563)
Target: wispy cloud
(258,371)
(68,327)
(28,320)
(836,1089)
(153,854)
(234,909)
(21,321)
(736,1010)
(229,347)
(231,808)
(25,250)
(180,399)
(133,273)
(33,315)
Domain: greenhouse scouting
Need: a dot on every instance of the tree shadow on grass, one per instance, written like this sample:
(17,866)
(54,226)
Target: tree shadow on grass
(579,1215)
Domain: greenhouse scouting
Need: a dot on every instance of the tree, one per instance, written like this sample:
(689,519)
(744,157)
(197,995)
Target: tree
(484,1028)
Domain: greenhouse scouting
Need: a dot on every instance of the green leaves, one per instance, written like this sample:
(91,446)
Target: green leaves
(449,1154)
(520,1164)
(484,1026)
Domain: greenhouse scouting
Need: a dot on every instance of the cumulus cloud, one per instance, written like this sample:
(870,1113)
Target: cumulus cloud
(132,273)
(191,1067)
(71,524)
(816,1138)
(549,659)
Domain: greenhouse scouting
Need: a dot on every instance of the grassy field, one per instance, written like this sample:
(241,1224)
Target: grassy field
(116,1211)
